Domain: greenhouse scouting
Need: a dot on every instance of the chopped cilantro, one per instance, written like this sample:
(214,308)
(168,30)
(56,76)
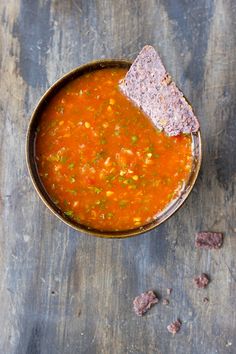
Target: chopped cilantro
(72,191)
(103,141)
(134,139)
(110,178)
(121,178)
(97,190)
(72,179)
(101,203)
(53,158)
(156,155)
(63,159)
(99,155)
(71,166)
(123,203)
(129,181)
(77,219)
(68,213)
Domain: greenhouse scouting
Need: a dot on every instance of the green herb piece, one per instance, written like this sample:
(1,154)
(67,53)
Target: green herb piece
(149,148)
(63,159)
(123,203)
(72,191)
(38,129)
(134,139)
(99,156)
(77,219)
(71,166)
(109,215)
(129,181)
(97,190)
(72,179)
(101,203)
(156,155)
(53,158)
(110,178)
(68,213)
(88,92)
(170,195)
(121,178)
(103,141)
(117,132)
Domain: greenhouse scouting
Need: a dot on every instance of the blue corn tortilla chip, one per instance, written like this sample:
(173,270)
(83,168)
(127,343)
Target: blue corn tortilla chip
(148,85)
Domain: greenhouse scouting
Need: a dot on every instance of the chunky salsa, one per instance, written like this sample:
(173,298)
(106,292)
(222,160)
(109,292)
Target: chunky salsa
(102,161)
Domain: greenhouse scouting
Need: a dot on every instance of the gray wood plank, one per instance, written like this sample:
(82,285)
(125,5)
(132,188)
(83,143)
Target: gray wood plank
(66,292)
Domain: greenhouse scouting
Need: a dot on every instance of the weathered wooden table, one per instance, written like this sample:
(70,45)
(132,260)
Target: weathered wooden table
(65,292)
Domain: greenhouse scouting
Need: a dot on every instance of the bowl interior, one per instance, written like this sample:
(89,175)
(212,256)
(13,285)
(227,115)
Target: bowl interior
(30,153)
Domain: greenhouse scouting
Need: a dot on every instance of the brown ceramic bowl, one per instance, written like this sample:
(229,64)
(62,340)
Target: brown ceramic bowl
(30,142)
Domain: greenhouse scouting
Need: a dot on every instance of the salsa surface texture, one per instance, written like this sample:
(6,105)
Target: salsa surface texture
(102,161)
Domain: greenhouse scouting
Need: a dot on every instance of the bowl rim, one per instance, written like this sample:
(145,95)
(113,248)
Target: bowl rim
(30,161)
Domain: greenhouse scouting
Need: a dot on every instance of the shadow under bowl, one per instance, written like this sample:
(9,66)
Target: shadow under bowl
(32,167)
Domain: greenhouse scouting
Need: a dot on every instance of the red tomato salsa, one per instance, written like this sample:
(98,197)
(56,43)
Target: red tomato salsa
(102,161)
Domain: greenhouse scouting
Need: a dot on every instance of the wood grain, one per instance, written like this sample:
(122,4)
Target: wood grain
(65,292)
